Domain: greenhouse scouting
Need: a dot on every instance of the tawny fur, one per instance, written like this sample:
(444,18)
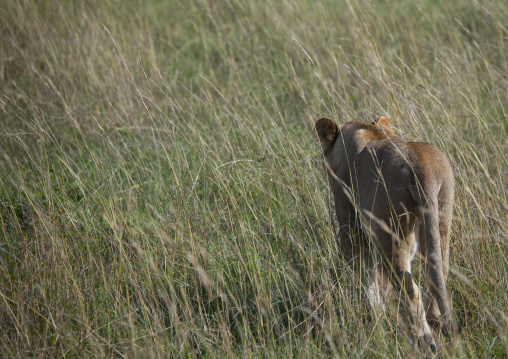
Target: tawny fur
(391,197)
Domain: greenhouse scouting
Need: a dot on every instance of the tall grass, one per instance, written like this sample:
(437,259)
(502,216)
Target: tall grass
(162,190)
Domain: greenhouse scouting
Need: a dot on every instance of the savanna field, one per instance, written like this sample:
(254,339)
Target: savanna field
(162,189)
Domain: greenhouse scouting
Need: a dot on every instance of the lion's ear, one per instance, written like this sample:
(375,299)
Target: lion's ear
(327,131)
(385,124)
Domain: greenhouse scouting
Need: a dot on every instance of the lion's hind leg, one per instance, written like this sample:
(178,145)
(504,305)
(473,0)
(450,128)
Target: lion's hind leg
(396,265)
(432,311)
(434,315)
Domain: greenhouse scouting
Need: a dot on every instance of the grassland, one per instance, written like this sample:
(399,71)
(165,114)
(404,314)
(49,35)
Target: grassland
(162,192)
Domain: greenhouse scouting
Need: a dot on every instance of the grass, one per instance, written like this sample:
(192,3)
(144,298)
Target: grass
(162,190)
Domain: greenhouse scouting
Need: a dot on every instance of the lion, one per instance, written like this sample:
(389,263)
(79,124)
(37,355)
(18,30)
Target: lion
(391,198)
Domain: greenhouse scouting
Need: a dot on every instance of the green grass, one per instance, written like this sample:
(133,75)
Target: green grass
(162,190)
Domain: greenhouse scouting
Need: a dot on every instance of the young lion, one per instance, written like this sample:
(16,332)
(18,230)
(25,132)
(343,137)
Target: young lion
(384,190)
